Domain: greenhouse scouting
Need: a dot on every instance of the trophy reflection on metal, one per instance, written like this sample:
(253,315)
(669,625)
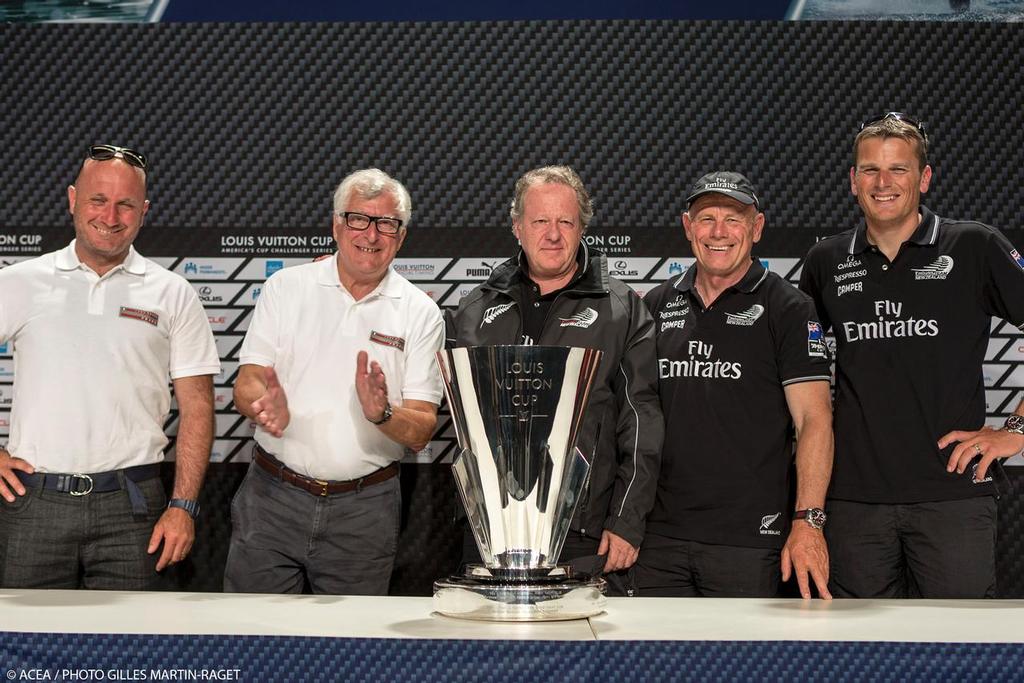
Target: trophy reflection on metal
(517,411)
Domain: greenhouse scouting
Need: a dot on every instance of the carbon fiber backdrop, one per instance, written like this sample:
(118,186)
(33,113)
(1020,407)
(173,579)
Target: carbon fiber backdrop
(250,126)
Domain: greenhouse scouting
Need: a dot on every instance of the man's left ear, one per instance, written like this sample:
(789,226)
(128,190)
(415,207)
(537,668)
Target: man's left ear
(758,226)
(926,179)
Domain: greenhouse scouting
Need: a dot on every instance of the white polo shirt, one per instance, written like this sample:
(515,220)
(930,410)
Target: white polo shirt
(92,357)
(309,329)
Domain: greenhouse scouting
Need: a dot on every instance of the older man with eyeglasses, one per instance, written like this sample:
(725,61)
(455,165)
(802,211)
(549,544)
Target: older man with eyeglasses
(97,329)
(338,373)
(910,296)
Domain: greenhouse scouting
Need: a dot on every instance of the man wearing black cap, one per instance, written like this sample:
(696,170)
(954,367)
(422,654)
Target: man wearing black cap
(910,296)
(742,361)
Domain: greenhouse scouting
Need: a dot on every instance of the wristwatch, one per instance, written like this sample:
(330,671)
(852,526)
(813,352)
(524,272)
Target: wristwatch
(189,506)
(815,517)
(383,418)
(1015,424)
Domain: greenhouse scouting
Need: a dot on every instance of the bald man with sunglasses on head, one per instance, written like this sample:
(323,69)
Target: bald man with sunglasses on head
(911,296)
(97,331)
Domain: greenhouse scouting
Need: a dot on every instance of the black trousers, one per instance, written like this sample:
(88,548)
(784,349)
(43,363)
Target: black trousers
(942,549)
(674,568)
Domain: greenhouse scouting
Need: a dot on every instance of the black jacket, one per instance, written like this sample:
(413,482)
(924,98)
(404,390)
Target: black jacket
(623,427)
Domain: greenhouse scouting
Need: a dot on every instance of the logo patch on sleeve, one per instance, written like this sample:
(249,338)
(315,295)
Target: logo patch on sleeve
(387,340)
(1015,255)
(816,347)
(139,314)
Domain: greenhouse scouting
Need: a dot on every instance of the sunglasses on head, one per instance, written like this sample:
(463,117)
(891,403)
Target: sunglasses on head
(105,152)
(899,116)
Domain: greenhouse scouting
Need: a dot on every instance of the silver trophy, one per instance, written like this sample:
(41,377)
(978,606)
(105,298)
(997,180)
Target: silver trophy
(517,411)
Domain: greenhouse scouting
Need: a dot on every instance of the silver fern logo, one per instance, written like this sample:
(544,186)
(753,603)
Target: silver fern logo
(584,319)
(936,270)
(746,318)
(493,312)
(766,522)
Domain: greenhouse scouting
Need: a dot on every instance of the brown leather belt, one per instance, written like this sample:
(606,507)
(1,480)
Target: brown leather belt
(319,487)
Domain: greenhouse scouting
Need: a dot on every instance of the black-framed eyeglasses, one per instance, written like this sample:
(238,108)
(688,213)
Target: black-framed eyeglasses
(899,116)
(386,225)
(106,152)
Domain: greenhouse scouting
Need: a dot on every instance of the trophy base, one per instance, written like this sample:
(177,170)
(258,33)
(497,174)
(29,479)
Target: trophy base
(519,595)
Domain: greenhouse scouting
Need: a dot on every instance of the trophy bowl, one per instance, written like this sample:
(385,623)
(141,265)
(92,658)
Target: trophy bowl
(517,411)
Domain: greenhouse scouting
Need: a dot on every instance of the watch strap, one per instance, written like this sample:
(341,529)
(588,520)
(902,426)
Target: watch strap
(189,506)
(385,417)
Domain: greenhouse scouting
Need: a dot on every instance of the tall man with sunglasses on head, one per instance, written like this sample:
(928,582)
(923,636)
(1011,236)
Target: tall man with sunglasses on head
(338,372)
(910,296)
(97,331)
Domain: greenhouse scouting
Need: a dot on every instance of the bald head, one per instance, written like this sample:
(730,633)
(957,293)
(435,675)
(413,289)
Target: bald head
(108,203)
(89,164)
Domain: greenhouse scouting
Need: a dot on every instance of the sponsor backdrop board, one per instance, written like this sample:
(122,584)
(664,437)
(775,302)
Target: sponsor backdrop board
(249,127)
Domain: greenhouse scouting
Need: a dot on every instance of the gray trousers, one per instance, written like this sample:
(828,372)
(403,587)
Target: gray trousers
(50,539)
(283,538)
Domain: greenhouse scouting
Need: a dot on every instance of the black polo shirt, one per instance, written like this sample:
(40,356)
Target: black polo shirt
(535,307)
(911,337)
(728,432)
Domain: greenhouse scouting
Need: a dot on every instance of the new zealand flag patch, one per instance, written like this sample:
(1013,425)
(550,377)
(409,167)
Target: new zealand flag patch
(1017,257)
(816,347)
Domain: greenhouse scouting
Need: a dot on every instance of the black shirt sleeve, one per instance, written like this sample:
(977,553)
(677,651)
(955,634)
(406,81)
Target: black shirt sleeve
(1003,290)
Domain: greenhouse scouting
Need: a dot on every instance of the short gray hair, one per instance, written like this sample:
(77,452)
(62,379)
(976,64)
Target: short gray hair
(370,183)
(562,175)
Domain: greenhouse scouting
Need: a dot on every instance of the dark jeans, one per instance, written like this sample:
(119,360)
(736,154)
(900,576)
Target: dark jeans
(579,551)
(944,549)
(50,539)
(670,567)
(283,538)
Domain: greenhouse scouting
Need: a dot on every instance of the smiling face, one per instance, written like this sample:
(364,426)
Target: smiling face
(722,232)
(888,182)
(549,232)
(107,203)
(364,256)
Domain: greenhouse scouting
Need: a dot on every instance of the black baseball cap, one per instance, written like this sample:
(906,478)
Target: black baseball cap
(730,184)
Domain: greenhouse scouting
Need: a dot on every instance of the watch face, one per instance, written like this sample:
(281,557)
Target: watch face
(816,518)
(1014,423)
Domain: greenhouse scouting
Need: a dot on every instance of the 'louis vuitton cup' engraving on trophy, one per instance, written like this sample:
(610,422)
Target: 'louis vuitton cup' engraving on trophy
(517,411)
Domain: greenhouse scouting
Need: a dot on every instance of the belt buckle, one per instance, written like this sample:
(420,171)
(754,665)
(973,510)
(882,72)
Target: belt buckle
(323,486)
(72,487)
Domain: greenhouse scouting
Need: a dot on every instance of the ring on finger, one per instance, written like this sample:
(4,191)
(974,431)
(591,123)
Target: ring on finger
(977,449)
